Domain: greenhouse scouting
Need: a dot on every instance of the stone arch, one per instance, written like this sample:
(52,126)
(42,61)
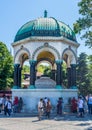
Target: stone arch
(47,61)
(20,53)
(46,48)
(69,56)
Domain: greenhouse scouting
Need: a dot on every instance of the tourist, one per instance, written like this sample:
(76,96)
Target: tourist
(4,104)
(9,106)
(80,107)
(45,104)
(90,104)
(40,109)
(1,104)
(15,104)
(45,100)
(59,106)
(48,108)
(74,105)
(20,104)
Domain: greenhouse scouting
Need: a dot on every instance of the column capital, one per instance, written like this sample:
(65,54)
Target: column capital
(32,72)
(59,61)
(73,75)
(32,61)
(16,65)
(73,65)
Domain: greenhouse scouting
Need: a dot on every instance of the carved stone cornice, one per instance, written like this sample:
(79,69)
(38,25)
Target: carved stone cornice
(46,39)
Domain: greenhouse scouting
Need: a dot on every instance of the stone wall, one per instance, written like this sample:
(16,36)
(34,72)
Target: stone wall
(32,96)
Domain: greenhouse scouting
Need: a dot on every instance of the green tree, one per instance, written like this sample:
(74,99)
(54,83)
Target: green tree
(84,23)
(25,70)
(47,70)
(83,81)
(40,68)
(44,69)
(90,72)
(6,67)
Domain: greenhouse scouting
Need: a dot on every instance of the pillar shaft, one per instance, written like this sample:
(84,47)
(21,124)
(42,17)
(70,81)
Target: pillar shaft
(32,72)
(19,76)
(53,74)
(73,74)
(16,66)
(69,77)
(59,73)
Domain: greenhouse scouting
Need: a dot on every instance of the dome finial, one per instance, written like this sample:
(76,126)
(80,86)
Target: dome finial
(45,13)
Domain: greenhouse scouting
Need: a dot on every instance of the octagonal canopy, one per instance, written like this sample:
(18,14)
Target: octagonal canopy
(45,27)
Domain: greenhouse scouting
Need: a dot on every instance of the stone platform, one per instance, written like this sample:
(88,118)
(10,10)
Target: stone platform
(32,96)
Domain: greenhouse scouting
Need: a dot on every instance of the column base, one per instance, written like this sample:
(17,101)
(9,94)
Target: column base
(31,87)
(59,87)
(16,87)
(73,87)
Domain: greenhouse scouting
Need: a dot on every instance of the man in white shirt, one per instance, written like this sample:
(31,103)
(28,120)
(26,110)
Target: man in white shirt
(40,109)
(81,107)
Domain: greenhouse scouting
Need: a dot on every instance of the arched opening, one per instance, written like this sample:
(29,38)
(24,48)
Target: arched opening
(25,78)
(70,61)
(44,69)
(46,55)
(25,70)
(46,60)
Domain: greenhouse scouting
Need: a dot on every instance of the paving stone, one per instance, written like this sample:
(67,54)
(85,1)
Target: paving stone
(24,121)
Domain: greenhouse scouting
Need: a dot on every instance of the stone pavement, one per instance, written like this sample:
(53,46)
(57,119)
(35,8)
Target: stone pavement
(22,121)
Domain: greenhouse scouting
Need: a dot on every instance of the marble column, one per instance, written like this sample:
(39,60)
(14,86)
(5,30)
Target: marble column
(59,73)
(32,73)
(16,67)
(19,76)
(69,76)
(53,74)
(73,75)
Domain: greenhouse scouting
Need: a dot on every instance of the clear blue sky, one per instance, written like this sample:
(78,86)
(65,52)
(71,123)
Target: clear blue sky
(15,13)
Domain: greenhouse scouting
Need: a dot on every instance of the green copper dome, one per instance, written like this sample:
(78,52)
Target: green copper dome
(45,27)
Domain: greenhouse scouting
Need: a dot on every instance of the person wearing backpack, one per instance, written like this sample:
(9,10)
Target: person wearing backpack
(9,106)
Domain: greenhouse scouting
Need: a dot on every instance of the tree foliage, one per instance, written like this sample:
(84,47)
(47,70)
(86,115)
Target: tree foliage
(83,74)
(6,67)
(40,68)
(25,69)
(84,23)
(46,70)
(90,71)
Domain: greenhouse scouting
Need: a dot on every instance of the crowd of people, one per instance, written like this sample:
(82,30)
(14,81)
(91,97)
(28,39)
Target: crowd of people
(17,104)
(82,105)
(44,106)
(79,106)
(8,106)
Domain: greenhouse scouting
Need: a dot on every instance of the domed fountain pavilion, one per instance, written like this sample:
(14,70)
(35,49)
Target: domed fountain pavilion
(45,39)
